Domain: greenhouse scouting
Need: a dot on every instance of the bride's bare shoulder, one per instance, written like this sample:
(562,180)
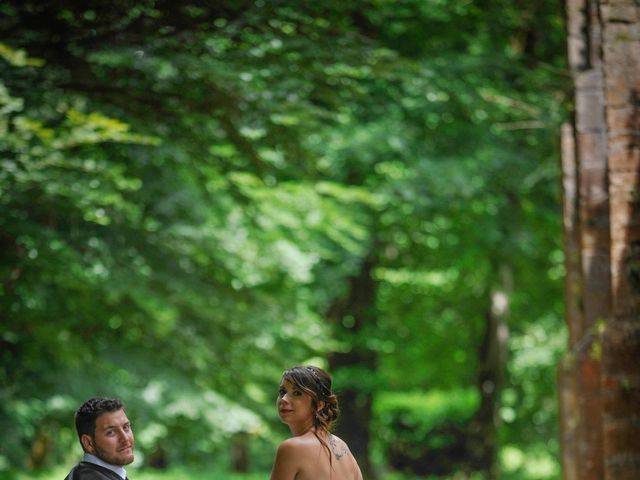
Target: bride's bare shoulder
(295,444)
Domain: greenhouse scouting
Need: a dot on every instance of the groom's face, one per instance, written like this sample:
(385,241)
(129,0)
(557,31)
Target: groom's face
(113,439)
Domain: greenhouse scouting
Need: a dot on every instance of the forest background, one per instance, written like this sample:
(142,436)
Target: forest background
(197,195)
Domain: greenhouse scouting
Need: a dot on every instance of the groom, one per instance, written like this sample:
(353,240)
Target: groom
(107,440)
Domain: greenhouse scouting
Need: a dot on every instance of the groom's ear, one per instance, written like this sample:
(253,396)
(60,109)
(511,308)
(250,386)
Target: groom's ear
(87,443)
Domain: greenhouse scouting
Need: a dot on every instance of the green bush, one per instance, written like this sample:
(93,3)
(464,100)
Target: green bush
(423,432)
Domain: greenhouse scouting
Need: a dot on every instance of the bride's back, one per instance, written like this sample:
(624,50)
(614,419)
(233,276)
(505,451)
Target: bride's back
(314,460)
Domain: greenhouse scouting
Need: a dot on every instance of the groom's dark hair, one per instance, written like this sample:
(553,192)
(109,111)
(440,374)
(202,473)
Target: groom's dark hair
(90,410)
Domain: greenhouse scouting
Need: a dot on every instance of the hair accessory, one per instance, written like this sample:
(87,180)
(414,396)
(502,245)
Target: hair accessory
(323,388)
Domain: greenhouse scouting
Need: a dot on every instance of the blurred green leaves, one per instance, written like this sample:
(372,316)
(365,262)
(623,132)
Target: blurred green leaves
(186,189)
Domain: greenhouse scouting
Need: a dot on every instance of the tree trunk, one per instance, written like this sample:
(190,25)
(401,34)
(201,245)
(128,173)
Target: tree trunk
(40,450)
(568,411)
(240,452)
(621,338)
(604,329)
(492,359)
(567,374)
(593,232)
(350,316)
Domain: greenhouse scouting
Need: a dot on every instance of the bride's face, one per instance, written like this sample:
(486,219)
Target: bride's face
(294,405)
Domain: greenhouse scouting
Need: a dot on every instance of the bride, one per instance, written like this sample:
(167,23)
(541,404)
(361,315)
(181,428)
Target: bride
(309,407)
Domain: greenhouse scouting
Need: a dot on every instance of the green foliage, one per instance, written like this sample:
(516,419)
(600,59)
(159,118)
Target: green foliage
(410,418)
(538,461)
(185,191)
